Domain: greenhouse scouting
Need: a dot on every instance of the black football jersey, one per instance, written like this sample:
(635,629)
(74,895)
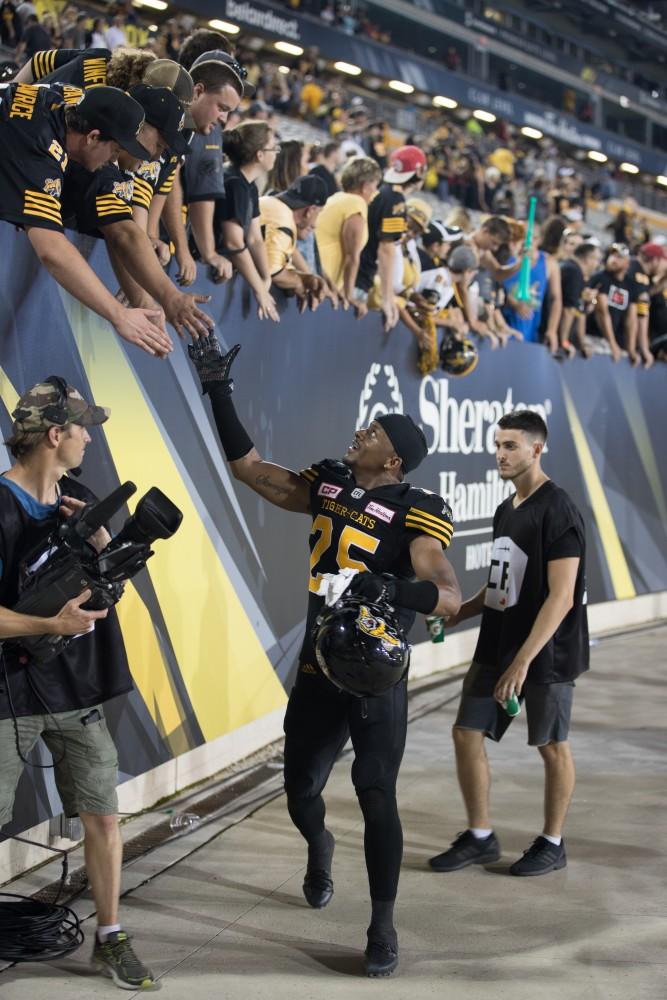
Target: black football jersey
(87,68)
(365,530)
(95,199)
(33,163)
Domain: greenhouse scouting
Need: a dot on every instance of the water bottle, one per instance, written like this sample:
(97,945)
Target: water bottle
(512,706)
(436,628)
(184,822)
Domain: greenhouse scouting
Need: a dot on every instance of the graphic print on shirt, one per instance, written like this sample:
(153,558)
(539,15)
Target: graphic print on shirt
(508,568)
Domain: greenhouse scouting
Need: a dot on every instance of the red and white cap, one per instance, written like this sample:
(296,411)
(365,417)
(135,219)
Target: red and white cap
(404,163)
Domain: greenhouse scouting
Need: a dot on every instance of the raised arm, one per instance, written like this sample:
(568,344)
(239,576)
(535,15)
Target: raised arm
(282,487)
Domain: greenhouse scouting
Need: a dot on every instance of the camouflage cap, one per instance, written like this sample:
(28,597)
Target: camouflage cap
(48,405)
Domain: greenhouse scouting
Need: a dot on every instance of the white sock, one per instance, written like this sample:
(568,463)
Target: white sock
(480,833)
(552,840)
(104,930)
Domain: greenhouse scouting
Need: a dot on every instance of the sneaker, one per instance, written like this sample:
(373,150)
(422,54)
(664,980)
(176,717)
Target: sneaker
(467,850)
(380,959)
(115,957)
(541,857)
(318,888)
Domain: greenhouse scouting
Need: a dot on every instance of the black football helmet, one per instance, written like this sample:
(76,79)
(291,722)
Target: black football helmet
(360,646)
(458,357)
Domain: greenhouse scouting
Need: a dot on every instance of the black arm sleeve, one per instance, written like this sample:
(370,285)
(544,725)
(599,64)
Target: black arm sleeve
(234,438)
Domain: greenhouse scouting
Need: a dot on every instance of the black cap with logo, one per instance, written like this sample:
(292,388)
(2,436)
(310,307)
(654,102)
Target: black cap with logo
(305,191)
(115,114)
(165,112)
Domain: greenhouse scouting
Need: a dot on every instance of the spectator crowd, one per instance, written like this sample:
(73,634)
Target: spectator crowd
(429,233)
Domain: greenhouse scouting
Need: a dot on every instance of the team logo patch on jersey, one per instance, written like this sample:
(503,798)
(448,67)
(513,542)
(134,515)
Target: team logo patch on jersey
(149,170)
(123,189)
(378,628)
(358,493)
(329,490)
(618,297)
(377,510)
(53,187)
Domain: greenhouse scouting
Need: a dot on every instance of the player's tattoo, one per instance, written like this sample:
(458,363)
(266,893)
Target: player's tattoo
(275,488)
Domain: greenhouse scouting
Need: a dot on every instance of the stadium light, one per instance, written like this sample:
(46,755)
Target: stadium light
(155,4)
(483,116)
(226,26)
(593,154)
(445,102)
(532,133)
(401,87)
(289,47)
(629,168)
(153,27)
(661,179)
(349,68)
(285,70)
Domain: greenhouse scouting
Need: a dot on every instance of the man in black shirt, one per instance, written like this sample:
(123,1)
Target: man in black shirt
(41,130)
(644,268)
(99,203)
(533,643)
(387,225)
(606,326)
(365,518)
(61,700)
(578,298)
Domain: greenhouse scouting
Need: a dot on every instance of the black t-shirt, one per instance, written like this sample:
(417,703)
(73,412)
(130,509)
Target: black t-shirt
(319,170)
(94,666)
(366,530)
(428,262)
(572,283)
(619,294)
(240,204)
(33,161)
(95,199)
(545,527)
(386,221)
(202,173)
(87,68)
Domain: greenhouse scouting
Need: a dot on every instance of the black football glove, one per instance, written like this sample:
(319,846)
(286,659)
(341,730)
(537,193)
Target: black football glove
(212,365)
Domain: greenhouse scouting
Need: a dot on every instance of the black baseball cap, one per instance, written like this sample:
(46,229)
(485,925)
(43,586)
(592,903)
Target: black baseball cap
(164,111)
(117,115)
(232,64)
(305,191)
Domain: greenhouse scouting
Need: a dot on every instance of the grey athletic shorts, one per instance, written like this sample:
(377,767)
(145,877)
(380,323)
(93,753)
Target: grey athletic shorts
(547,706)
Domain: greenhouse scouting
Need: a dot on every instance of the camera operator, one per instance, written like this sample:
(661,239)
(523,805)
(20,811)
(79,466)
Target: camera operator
(61,700)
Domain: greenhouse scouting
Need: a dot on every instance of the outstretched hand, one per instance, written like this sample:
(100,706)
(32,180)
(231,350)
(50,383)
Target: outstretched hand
(213,367)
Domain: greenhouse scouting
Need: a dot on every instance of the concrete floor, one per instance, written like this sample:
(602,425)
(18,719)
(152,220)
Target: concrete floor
(230,921)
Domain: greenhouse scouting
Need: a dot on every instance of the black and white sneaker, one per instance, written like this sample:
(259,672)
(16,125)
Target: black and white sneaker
(541,858)
(467,850)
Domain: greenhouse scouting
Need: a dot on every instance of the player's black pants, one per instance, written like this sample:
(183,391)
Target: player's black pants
(318,721)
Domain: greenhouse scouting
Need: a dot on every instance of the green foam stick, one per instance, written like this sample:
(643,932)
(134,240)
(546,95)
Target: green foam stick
(523,294)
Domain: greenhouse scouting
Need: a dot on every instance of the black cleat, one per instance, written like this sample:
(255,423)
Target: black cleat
(467,850)
(380,959)
(540,858)
(318,888)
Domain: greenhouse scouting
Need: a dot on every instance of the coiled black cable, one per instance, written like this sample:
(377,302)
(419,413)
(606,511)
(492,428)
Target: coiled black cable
(36,932)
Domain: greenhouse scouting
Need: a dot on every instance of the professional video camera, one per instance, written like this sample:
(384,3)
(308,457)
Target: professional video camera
(65,565)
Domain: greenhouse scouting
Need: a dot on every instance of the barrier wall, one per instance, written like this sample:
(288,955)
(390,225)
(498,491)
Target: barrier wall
(213,626)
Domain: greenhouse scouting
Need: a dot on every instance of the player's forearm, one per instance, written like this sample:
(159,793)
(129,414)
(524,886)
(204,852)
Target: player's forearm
(549,617)
(386,252)
(131,245)
(13,624)
(201,220)
(64,263)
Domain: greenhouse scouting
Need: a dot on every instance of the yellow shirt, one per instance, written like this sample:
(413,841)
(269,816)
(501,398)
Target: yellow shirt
(339,207)
(277,224)
(311,96)
(503,159)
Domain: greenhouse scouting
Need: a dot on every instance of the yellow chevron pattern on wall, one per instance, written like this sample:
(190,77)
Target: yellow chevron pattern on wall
(229,679)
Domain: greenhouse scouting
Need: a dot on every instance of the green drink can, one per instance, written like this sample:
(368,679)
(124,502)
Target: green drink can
(512,706)
(436,628)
